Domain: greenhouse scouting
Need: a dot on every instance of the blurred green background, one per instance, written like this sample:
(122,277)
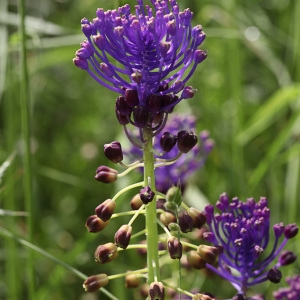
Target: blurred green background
(248,98)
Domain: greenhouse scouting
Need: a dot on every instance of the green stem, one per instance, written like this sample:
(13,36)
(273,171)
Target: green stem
(151,224)
(25,121)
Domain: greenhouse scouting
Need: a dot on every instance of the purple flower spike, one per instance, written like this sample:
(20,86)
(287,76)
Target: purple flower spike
(242,230)
(157,47)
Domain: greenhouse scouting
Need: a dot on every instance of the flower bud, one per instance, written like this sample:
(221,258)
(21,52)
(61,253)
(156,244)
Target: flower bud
(136,202)
(94,224)
(113,152)
(195,260)
(199,296)
(140,116)
(95,282)
(122,236)
(173,196)
(185,221)
(166,218)
(81,63)
(274,275)
(208,253)
(198,217)
(146,194)
(122,107)
(106,253)
(106,174)
(132,281)
(186,140)
(131,97)
(287,257)
(156,291)
(290,231)
(105,210)
(167,141)
(188,92)
(174,248)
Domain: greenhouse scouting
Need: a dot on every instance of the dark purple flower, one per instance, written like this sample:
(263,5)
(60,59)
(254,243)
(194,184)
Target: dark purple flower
(149,55)
(289,293)
(242,230)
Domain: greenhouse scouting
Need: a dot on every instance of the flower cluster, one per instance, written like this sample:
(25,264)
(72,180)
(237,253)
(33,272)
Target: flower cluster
(241,233)
(147,58)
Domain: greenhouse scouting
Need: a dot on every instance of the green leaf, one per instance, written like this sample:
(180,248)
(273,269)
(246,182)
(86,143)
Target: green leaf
(265,116)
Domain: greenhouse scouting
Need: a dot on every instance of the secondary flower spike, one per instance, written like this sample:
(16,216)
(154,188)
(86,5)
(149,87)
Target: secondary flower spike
(147,57)
(241,232)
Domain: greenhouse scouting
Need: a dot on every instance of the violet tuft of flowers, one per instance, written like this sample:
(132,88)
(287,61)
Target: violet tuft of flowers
(147,57)
(242,230)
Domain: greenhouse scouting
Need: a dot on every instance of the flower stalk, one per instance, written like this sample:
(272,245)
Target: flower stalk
(151,223)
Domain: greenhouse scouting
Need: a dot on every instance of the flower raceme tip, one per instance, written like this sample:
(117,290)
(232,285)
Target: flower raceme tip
(147,57)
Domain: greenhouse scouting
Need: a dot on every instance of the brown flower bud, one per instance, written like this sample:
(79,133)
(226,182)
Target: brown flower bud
(174,247)
(195,260)
(136,202)
(166,218)
(186,140)
(106,174)
(122,236)
(274,275)
(95,282)
(208,253)
(132,281)
(105,210)
(157,291)
(198,217)
(185,221)
(113,152)
(106,253)
(94,224)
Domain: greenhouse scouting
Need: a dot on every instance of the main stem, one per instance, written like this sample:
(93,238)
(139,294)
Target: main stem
(151,223)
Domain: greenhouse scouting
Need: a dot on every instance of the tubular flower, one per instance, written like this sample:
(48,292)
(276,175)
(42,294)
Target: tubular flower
(147,57)
(241,232)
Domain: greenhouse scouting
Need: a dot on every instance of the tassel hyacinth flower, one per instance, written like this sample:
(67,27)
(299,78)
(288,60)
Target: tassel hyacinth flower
(241,232)
(146,57)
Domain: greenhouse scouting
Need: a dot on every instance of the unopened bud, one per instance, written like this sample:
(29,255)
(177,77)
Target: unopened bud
(173,196)
(136,202)
(166,218)
(106,253)
(291,230)
(113,152)
(94,224)
(106,174)
(95,282)
(195,260)
(105,210)
(188,92)
(131,97)
(146,194)
(157,291)
(132,281)
(167,141)
(186,140)
(174,247)
(140,116)
(185,221)
(208,253)
(274,275)
(198,217)
(287,258)
(122,236)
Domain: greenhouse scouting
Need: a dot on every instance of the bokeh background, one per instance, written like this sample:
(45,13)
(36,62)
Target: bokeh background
(248,98)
